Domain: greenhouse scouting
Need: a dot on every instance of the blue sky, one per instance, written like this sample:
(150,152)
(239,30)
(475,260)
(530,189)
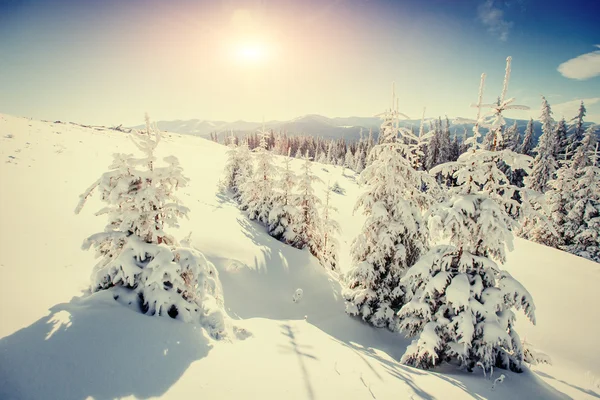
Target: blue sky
(107,62)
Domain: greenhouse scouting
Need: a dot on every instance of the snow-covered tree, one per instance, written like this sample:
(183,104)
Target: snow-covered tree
(511,139)
(257,194)
(544,164)
(433,147)
(562,141)
(462,302)
(307,225)
(349,160)
(527,145)
(139,261)
(418,147)
(393,236)
(239,166)
(445,143)
(329,229)
(575,197)
(576,128)
(359,161)
(284,211)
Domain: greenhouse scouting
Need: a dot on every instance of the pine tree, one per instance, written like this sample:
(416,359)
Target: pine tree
(461,306)
(581,225)
(284,212)
(140,262)
(359,165)
(527,145)
(544,164)
(329,229)
(562,141)
(349,160)
(445,143)
(433,148)
(419,146)
(510,138)
(577,129)
(238,166)
(393,236)
(257,194)
(455,149)
(308,222)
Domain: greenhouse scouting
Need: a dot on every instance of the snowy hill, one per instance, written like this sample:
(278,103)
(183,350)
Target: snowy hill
(57,342)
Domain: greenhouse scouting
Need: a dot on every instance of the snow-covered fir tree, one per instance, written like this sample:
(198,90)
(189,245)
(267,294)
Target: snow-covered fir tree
(576,128)
(544,164)
(284,211)
(511,139)
(330,228)
(527,145)
(574,200)
(433,147)
(418,147)
(307,225)
(257,193)
(393,236)
(562,140)
(462,302)
(349,160)
(238,168)
(445,143)
(140,262)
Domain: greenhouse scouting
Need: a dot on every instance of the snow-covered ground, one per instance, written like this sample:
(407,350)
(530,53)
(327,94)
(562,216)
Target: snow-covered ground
(57,343)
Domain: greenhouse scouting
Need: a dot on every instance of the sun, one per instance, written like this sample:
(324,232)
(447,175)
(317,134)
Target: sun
(251,52)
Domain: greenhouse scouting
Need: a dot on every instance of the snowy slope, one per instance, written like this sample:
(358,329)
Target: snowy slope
(58,344)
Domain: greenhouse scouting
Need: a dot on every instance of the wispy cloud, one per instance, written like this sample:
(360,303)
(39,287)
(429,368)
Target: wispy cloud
(582,67)
(492,17)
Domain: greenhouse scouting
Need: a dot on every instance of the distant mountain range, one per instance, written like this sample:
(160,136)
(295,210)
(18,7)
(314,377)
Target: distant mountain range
(314,125)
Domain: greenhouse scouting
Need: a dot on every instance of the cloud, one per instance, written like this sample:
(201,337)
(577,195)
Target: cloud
(492,18)
(582,67)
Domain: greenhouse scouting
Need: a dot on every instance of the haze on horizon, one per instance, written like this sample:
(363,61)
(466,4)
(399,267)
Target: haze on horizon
(109,62)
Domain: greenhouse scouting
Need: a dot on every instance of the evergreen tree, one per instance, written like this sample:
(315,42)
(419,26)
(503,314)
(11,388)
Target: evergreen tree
(433,148)
(348,160)
(257,194)
(544,164)
(511,138)
(445,144)
(562,141)
(455,149)
(419,147)
(577,189)
(393,236)
(359,165)
(284,211)
(527,145)
(307,224)
(577,129)
(461,307)
(329,229)
(140,262)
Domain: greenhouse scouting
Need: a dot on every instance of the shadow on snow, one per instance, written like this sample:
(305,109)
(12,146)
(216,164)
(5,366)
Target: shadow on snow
(94,347)
(265,290)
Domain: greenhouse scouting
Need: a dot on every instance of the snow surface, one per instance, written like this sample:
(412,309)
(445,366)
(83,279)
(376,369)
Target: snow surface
(57,343)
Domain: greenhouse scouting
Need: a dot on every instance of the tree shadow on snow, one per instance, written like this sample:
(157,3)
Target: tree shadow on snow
(586,391)
(265,289)
(94,347)
(301,351)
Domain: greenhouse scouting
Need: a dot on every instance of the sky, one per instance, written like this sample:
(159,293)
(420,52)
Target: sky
(108,62)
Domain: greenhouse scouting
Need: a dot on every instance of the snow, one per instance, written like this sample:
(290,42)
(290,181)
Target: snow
(56,342)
